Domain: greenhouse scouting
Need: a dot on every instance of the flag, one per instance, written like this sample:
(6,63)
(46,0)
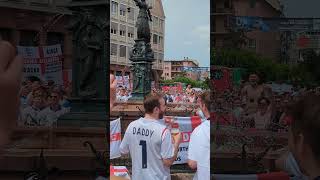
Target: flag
(186,126)
(120,171)
(115,138)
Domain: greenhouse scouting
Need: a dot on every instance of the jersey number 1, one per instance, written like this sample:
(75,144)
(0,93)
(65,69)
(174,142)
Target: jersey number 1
(144,153)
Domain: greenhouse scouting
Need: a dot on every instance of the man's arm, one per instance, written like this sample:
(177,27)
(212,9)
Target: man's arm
(169,150)
(170,161)
(113,87)
(124,146)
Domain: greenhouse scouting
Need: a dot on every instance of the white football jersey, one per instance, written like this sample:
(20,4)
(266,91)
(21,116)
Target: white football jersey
(148,142)
(199,150)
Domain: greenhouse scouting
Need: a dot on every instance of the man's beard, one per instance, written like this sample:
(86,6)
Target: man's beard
(161,114)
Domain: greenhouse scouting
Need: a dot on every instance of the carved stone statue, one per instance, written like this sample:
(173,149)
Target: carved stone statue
(143,29)
(142,54)
(88,37)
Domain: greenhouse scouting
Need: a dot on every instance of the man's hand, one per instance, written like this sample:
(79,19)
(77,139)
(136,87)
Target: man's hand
(113,87)
(10,80)
(177,139)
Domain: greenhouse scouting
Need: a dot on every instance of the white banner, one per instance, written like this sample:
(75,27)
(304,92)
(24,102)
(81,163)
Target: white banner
(123,81)
(186,126)
(32,70)
(115,138)
(52,51)
(43,62)
(120,171)
(28,52)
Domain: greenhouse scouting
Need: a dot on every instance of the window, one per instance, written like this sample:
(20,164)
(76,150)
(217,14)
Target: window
(114,28)
(155,39)
(252,44)
(160,56)
(27,38)
(122,30)
(161,24)
(123,10)
(123,51)
(155,21)
(114,8)
(114,49)
(160,40)
(130,32)
(131,14)
(155,55)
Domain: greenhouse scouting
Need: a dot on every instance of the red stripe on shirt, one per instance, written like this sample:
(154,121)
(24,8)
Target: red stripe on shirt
(163,132)
(195,121)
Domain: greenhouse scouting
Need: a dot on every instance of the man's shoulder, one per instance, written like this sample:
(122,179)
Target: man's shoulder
(202,127)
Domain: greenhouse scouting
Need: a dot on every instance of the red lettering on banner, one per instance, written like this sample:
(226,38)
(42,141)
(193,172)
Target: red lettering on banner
(185,136)
(115,137)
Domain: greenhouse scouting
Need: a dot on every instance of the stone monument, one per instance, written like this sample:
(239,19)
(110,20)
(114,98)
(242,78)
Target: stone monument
(89,30)
(142,55)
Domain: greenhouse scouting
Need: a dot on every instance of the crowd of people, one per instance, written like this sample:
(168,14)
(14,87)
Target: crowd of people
(255,105)
(42,103)
(174,96)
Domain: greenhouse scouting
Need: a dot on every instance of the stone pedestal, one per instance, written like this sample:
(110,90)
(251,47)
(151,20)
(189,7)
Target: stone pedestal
(142,57)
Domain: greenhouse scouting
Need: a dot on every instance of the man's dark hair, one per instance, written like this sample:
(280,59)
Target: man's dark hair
(33,78)
(206,99)
(306,120)
(151,101)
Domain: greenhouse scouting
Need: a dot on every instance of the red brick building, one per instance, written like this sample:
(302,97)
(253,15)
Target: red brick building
(264,43)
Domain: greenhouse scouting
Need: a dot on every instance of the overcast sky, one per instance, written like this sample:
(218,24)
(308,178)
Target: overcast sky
(301,8)
(187,30)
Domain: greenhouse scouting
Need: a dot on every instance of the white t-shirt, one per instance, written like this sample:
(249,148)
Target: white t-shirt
(31,116)
(148,142)
(199,150)
(51,117)
(292,168)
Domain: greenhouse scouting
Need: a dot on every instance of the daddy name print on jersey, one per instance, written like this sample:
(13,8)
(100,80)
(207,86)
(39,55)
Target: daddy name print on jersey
(142,131)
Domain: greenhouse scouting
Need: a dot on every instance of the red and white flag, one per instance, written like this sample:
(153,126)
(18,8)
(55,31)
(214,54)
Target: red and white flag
(120,171)
(186,126)
(115,138)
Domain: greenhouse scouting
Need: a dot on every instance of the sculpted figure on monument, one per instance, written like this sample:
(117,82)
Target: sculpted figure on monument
(88,34)
(143,29)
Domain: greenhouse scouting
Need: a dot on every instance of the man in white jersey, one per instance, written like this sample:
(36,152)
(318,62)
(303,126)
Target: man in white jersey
(150,144)
(199,145)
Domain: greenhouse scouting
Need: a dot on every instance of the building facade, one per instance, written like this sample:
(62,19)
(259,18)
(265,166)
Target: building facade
(175,68)
(123,33)
(266,44)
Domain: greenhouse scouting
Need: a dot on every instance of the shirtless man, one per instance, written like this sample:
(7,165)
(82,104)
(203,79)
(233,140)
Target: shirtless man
(251,93)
